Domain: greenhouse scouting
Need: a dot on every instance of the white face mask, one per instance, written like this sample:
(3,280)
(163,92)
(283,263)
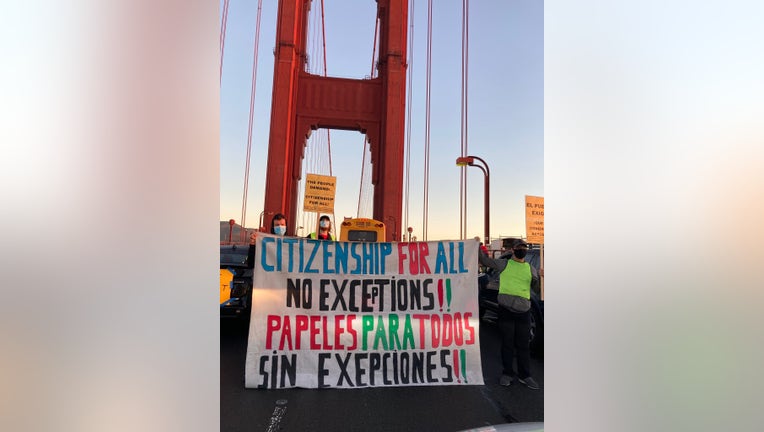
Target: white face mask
(324,224)
(279,230)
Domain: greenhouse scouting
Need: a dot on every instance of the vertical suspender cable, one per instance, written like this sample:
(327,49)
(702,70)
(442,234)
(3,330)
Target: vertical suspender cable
(466,59)
(323,38)
(425,202)
(223,25)
(408,119)
(462,171)
(251,115)
(328,136)
(466,95)
(365,141)
(464,146)
(312,159)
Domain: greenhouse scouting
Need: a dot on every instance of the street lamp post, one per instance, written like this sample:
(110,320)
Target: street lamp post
(470,161)
(231,223)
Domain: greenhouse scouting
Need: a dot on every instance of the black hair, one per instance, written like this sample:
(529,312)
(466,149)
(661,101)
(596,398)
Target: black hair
(277,216)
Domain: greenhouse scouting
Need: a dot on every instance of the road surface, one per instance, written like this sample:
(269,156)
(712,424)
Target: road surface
(434,408)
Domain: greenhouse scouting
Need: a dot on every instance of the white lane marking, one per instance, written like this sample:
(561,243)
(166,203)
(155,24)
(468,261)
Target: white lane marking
(278,413)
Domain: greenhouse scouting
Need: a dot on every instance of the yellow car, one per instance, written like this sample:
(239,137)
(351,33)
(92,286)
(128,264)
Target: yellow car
(235,281)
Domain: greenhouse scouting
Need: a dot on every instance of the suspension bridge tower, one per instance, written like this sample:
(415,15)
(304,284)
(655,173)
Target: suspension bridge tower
(303,102)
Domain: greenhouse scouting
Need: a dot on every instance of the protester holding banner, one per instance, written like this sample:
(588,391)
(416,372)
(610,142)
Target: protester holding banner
(484,250)
(482,246)
(278,226)
(324,229)
(516,278)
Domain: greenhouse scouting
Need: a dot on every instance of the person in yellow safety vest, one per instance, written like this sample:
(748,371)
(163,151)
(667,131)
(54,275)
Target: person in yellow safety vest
(324,228)
(515,279)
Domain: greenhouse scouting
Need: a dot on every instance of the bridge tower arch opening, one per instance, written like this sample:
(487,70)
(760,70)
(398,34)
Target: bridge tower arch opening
(350,165)
(304,102)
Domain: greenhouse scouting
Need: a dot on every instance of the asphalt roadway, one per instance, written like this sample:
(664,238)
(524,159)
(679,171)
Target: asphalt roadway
(434,408)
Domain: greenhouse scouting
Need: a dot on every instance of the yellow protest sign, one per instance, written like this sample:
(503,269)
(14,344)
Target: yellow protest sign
(534,219)
(319,193)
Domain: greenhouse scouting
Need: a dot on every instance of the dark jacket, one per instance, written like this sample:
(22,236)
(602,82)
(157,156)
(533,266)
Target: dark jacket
(251,256)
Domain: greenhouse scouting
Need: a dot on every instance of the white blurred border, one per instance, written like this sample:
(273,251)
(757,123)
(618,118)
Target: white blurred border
(654,185)
(109,130)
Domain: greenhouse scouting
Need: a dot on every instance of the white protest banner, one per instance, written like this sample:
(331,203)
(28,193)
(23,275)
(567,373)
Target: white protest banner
(351,314)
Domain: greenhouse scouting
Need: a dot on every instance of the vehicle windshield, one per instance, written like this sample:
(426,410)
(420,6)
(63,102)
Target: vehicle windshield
(233,259)
(233,256)
(362,236)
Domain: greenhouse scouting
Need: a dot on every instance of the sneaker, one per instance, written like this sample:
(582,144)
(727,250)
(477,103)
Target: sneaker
(505,380)
(530,382)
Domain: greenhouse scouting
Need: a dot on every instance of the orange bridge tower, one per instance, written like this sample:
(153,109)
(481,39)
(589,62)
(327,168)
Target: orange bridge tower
(303,102)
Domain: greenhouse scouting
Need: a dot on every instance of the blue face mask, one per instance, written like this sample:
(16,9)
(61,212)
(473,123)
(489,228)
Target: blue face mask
(324,224)
(279,230)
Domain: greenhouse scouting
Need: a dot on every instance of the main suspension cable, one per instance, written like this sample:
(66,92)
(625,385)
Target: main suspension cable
(223,26)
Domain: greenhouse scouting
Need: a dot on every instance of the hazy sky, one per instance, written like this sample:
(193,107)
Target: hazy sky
(505,97)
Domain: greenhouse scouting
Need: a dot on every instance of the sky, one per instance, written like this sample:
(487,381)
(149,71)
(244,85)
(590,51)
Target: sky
(505,123)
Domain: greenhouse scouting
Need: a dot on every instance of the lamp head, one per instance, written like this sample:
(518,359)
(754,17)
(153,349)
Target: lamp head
(465,161)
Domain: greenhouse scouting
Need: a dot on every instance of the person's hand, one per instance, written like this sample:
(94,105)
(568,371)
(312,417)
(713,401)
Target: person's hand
(253,238)
(541,271)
